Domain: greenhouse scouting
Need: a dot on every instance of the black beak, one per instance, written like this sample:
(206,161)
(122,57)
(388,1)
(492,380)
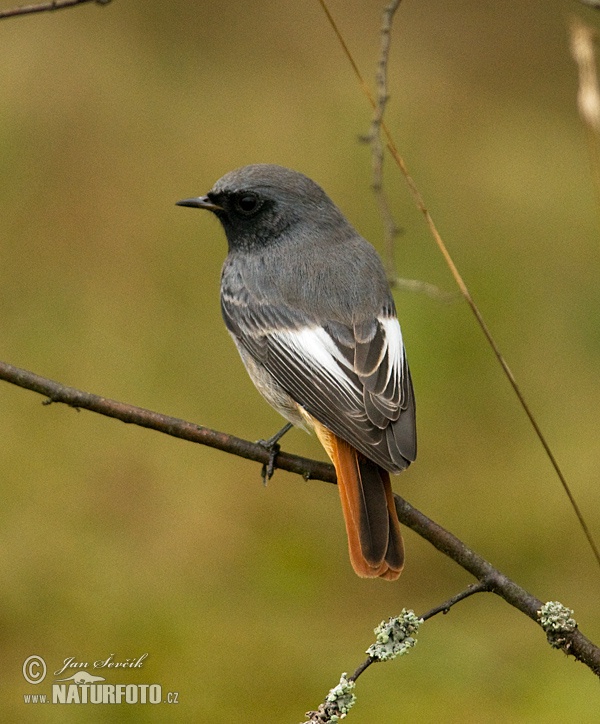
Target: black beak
(200,202)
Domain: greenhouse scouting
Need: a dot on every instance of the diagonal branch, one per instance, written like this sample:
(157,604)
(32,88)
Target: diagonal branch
(56,392)
(42,7)
(574,643)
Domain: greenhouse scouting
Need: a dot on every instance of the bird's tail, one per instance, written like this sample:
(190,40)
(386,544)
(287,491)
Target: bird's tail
(374,538)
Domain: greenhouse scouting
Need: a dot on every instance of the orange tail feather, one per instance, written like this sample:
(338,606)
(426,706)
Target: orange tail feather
(374,538)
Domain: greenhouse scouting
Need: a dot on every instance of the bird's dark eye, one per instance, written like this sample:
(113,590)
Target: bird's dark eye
(248,203)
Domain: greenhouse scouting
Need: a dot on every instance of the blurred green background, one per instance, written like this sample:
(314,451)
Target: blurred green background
(115,539)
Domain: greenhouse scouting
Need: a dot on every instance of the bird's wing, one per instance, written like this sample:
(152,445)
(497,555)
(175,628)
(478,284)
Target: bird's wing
(352,379)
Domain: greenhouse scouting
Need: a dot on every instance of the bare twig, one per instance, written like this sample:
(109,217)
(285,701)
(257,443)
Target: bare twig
(576,644)
(481,587)
(420,203)
(43,7)
(390,228)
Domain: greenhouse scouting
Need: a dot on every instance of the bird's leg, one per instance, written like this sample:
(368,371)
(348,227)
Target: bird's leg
(272,445)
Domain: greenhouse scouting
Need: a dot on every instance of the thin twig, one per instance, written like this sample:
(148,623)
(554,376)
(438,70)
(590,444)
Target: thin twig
(43,7)
(420,203)
(576,644)
(390,228)
(363,667)
(481,587)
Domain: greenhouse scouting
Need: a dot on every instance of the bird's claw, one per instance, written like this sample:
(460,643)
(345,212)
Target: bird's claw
(269,467)
(272,445)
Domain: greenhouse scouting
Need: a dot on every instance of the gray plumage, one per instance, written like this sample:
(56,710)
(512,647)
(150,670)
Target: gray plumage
(308,305)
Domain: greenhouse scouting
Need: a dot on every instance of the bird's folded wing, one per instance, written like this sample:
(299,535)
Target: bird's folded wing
(353,379)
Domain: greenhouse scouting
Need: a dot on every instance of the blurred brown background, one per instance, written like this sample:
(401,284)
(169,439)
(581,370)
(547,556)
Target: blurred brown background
(114,539)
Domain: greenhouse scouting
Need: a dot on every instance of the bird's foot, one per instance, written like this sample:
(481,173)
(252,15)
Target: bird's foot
(272,445)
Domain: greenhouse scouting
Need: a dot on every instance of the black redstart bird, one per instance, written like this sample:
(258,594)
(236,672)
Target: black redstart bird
(309,308)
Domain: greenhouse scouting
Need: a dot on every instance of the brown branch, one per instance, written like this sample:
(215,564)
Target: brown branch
(56,392)
(575,643)
(42,7)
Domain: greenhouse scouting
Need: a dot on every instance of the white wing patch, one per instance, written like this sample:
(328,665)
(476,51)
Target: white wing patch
(394,350)
(314,348)
(393,335)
